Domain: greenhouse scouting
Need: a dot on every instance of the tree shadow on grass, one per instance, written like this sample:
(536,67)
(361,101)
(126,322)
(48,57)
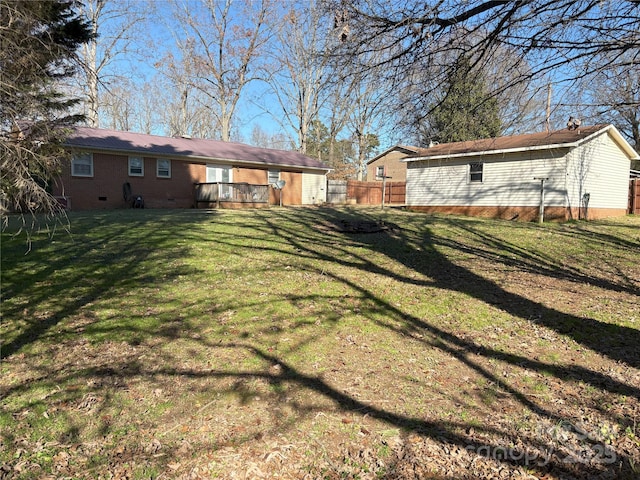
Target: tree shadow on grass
(421,255)
(424,265)
(616,342)
(479,243)
(117,250)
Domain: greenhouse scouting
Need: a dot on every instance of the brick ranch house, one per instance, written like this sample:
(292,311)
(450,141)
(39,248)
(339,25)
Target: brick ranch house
(110,169)
(581,172)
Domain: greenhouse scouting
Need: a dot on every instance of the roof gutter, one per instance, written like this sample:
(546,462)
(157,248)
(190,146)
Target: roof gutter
(492,152)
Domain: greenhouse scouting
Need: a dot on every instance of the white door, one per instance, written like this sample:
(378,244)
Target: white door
(221,174)
(313,188)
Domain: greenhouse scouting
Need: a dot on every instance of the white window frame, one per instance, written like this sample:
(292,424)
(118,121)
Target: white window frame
(136,174)
(380,172)
(82,159)
(160,171)
(216,174)
(270,176)
(476,172)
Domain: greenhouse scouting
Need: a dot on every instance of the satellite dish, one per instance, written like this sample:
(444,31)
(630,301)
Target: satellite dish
(279,186)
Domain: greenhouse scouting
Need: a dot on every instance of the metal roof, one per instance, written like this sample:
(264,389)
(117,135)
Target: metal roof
(517,143)
(187,148)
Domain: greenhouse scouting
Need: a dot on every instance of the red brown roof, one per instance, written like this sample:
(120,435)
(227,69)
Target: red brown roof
(402,148)
(557,139)
(191,148)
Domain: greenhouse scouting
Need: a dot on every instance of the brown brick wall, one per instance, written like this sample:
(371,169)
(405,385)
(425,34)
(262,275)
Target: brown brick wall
(105,189)
(110,172)
(253,176)
(509,213)
(292,191)
(595,213)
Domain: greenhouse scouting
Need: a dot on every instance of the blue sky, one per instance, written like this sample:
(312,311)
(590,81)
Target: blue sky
(155,37)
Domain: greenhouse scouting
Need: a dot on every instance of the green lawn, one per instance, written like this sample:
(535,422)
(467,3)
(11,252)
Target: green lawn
(193,344)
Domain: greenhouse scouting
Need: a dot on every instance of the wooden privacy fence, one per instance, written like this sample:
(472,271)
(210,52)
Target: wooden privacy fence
(336,191)
(370,193)
(634,196)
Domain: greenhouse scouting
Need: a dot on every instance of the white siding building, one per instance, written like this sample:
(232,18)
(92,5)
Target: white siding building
(314,190)
(585,172)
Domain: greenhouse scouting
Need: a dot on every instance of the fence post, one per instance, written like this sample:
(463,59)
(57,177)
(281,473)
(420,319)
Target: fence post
(384,188)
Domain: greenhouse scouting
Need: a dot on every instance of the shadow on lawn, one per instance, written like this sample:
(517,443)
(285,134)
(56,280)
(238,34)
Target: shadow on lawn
(419,250)
(117,250)
(481,244)
(616,342)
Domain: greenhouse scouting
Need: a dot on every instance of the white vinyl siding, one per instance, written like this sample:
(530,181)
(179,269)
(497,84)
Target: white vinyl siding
(600,169)
(313,188)
(508,180)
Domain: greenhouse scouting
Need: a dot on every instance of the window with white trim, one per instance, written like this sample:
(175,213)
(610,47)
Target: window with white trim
(136,167)
(273,177)
(475,172)
(379,172)
(163,168)
(82,164)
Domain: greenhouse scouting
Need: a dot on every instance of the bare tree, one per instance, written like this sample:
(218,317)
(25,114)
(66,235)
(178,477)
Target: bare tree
(224,41)
(521,96)
(113,25)
(550,34)
(185,109)
(300,69)
(133,106)
(117,106)
(149,106)
(371,101)
(613,95)
(261,138)
(338,108)
(369,106)
(566,39)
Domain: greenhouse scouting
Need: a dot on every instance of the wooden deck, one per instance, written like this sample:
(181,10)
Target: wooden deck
(237,194)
